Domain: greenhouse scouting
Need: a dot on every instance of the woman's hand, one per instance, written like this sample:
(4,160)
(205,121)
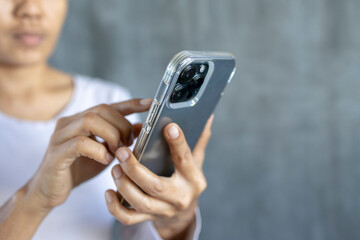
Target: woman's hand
(169,202)
(74,156)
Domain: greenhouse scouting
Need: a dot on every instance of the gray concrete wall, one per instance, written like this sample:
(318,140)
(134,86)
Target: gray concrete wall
(283,162)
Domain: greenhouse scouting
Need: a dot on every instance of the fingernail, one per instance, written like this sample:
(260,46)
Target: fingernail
(146,101)
(109,158)
(173,132)
(117,172)
(122,154)
(108,197)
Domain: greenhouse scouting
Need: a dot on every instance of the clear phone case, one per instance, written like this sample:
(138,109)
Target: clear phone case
(216,70)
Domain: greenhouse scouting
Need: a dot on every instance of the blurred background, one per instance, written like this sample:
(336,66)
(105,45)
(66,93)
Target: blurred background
(283,162)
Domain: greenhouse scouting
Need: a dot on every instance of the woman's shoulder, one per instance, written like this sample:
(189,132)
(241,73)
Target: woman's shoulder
(96,91)
(90,91)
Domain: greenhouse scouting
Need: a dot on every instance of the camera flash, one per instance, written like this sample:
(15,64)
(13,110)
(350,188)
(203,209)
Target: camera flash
(202,68)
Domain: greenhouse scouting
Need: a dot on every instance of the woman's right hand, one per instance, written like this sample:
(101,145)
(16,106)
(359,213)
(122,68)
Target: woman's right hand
(74,156)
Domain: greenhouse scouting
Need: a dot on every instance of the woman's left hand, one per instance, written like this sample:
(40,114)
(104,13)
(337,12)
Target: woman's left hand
(168,201)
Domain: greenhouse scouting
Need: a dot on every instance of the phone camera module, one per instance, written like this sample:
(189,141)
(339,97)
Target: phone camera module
(189,83)
(180,93)
(188,73)
(196,83)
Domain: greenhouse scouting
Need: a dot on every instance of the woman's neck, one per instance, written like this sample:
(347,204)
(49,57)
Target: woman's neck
(21,82)
(36,92)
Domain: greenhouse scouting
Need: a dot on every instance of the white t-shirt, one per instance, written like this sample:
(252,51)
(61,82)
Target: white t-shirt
(84,215)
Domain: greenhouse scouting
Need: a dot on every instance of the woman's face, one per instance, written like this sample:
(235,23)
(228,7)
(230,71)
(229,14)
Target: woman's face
(29,30)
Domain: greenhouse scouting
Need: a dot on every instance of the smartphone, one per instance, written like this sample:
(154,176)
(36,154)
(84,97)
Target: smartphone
(192,86)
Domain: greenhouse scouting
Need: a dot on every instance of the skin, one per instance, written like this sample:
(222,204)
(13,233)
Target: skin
(169,202)
(31,89)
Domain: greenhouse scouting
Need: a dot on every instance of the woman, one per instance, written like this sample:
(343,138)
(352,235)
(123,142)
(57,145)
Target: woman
(51,126)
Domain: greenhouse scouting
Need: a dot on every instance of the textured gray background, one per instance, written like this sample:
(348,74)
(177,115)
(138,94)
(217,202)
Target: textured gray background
(283,162)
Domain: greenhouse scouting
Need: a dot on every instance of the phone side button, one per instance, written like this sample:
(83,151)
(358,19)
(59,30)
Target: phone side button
(147,128)
(152,113)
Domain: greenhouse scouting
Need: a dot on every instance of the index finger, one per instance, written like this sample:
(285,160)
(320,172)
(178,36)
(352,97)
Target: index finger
(199,150)
(135,105)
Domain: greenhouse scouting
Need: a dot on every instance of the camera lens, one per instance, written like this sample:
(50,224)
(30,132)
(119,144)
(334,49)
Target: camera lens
(196,83)
(179,94)
(187,74)
(202,68)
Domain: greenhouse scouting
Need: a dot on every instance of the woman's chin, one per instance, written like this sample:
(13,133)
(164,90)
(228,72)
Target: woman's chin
(22,60)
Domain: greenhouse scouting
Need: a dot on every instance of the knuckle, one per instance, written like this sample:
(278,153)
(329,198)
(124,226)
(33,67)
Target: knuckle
(169,213)
(102,150)
(134,102)
(102,107)
(89,119)
(201,184)
(130,167)
(127,130)
(180,204)
(114,135)
(126,220)
(53,137)
(158,188)
(183,203)
(80,142)
(145,206)
(182,157)
(60,122)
